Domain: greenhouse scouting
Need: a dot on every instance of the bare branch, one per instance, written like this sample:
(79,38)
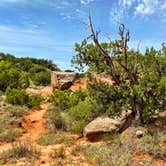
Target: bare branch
(108,60)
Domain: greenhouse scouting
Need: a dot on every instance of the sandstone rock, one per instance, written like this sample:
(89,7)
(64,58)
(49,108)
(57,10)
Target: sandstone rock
(62,80)
(139,133)
(104,124)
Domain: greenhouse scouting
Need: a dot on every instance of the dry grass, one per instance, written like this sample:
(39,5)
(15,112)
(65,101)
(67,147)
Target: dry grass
(53,139)
(20,150)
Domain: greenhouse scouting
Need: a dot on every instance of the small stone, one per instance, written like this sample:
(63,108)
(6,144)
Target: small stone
(139,133)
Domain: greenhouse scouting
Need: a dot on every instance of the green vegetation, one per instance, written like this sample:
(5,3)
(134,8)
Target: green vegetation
(40,75)
(10,119)
(152,144)
(71,111)
(53,139)
(139,79)
(12,76)
(119,151)
(21,97)
(10,135)
(80,115)
(34,101)
(20,150)
(16,96)
(19,72)
(139,84)
(54,119)
(25,64)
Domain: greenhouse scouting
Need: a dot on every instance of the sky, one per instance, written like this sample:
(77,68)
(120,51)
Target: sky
(49,28)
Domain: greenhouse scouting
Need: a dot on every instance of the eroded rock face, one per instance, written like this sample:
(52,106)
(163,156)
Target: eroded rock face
(62,80)
(104,124)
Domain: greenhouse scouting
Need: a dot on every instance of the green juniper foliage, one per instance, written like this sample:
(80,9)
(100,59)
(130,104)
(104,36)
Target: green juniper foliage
(139,79)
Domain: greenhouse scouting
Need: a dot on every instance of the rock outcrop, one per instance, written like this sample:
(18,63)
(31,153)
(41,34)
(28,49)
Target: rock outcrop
(104,124)
(62,80)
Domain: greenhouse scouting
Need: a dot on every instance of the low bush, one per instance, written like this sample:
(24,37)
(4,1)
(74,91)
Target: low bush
(34,101)
(16,111)
(20,150)
(72,110)
(53,139)
(10,135)
(67,99)
(42,78)
(54,119)
(11,76)
(106,154)
(16,96)
(21,97)
(152,144)
(80,116)
(10,120)
(61,99)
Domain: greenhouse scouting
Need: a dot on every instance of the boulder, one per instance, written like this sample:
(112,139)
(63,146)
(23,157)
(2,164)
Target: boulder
(62,80)
(105,124)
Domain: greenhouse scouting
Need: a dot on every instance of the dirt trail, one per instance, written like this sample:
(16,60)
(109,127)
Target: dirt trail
(34,123)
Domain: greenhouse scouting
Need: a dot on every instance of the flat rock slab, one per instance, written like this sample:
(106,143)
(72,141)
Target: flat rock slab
(105,124)
(62,80)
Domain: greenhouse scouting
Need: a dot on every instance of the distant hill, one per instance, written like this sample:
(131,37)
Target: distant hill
(26,63)
(22,72)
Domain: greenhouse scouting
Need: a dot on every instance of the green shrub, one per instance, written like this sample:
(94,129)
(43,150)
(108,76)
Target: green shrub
(34,101)
(17,96)
(21,97)
(20,150)
(42,78)
(40,75)
(107,154)
(10,135)
(80,116)
(36,69)
(77,96)
(24,81)
(54,119)
(61,99)
(53,139)
(152,144)
(16,111)
(67,99)
(12,77)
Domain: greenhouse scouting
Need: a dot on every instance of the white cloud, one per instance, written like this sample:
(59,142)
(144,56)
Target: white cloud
(147,7)
(132,9)
(86,2)
(126,3)
(116,14)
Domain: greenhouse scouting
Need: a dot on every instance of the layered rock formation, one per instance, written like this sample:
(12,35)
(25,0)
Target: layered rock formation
(62,80)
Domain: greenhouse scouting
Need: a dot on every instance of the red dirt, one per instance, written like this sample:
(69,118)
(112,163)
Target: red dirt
(140,157)
(44,91)
(80,84)
(34,123)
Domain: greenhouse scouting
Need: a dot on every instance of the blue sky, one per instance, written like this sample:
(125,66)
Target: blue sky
(49,28)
